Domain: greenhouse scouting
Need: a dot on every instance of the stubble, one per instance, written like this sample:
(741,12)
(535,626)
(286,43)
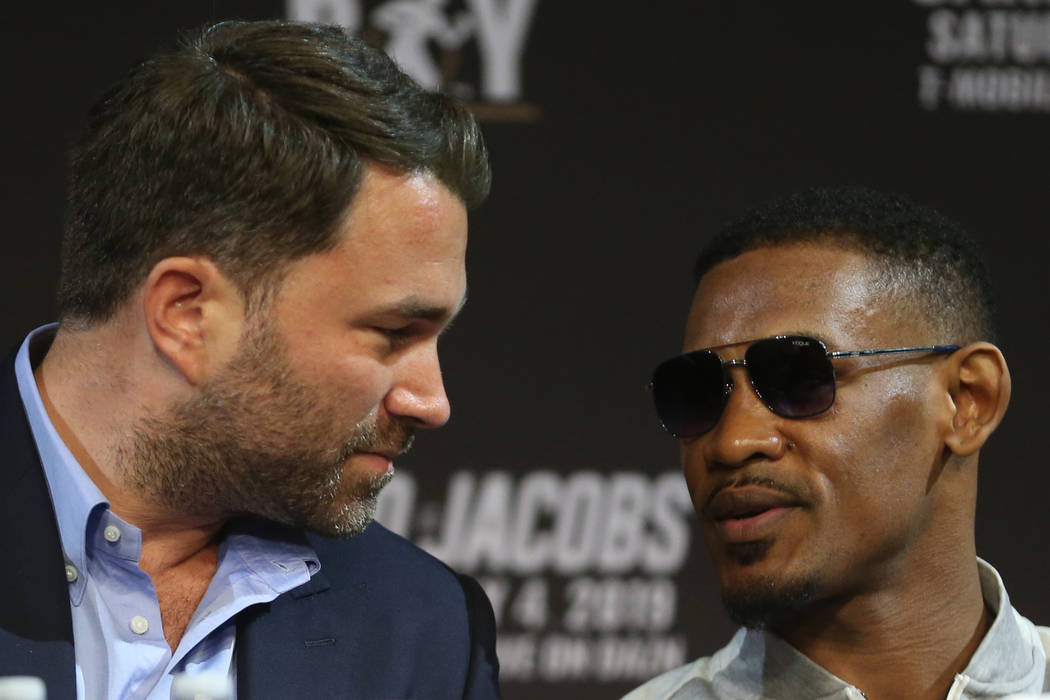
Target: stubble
(258,440)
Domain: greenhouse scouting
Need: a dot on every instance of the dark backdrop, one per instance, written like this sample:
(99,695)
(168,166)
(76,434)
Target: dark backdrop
(637,128)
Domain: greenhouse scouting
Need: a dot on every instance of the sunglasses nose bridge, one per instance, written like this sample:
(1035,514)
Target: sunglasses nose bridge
(744,430)
(755,389)
(729,384)
(729,364)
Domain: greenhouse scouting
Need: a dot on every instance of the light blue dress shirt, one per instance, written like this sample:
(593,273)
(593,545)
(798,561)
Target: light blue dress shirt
(119,642)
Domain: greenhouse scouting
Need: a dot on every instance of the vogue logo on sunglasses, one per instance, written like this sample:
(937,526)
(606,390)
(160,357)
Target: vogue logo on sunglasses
(792,374)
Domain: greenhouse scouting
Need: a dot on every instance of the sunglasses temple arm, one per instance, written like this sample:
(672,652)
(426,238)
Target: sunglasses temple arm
(884,351)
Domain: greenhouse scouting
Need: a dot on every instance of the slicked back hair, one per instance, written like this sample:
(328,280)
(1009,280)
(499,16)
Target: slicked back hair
(246,144)
(925,260)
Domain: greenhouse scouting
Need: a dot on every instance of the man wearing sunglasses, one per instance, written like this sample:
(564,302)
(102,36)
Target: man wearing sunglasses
(838,382)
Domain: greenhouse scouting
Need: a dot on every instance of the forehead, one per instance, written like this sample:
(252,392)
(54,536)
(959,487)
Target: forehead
(402,242)
(403,209)
(807,288)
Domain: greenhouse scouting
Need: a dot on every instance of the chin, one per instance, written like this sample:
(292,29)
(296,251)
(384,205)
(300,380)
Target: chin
(341,521)
(351,511)
(767,601)
(758,589)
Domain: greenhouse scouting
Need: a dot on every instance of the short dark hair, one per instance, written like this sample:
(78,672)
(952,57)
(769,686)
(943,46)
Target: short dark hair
(246,143)
(926,258)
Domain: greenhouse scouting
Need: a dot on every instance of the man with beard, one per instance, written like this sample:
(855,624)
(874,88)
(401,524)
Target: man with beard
(838,382)
(266,236)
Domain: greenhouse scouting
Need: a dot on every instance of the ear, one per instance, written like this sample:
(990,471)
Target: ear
(193,315)
(979,385)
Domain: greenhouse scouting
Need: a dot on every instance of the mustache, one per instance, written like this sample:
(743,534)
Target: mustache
(373,436)
(757,480)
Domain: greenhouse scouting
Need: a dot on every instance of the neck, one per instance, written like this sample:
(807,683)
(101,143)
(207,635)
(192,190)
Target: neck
(926,630)
(87,412)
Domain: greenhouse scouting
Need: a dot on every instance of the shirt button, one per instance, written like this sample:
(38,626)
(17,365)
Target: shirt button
(139,624)
(111,533)
(71,573)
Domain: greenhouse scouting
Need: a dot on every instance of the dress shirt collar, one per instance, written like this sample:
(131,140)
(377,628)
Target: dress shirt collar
(76,499)
(82,511)
(1008,659)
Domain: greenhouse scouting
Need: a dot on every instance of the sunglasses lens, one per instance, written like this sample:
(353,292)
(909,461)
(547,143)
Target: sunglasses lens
(793,375)
(689,393)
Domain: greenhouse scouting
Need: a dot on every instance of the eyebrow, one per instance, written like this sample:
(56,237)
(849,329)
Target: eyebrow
(415,308)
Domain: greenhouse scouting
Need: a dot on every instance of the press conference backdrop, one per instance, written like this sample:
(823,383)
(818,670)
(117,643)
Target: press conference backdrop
(622,134)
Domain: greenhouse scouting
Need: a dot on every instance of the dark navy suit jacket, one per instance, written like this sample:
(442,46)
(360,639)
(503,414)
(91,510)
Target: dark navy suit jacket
(381,620)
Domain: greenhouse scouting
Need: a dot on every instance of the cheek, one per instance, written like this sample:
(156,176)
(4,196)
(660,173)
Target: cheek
(352,383)
(357,383)
(694,470)
(886,450)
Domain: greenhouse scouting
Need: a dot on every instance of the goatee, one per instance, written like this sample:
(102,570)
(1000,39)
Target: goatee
(767,603)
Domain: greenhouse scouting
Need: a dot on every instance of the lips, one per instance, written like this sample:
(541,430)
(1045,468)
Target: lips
(389,454)
(745,513)
(373,461)
(747,501)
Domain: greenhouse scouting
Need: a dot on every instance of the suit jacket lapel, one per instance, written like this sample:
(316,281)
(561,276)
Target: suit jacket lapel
(289,644)
(36,628)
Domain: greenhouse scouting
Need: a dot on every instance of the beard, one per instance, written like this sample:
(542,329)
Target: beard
(767,602)
(258,440)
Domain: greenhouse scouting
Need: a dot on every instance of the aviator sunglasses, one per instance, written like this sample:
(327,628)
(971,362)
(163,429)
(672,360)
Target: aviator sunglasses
(792,375)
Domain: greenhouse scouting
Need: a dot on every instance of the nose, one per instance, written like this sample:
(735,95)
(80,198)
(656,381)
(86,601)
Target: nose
(418,393)
(747,430)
